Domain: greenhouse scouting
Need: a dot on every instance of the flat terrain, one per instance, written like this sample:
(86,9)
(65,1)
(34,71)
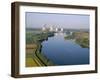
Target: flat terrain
(30,51)
(34,57)
(81,38)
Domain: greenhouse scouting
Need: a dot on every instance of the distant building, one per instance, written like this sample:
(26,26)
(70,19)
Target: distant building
(62,29)
(43,28)
(56,29)
(51,28)
(71,33)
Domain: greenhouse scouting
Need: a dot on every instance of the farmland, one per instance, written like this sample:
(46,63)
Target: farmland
(81,38)
(34,57)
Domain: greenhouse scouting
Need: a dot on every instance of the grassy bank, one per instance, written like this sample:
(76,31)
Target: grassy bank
(34,57)
(81,38)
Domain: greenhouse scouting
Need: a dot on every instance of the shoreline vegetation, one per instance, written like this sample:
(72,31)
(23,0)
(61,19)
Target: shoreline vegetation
(34,56)
(81,38)
(34,38)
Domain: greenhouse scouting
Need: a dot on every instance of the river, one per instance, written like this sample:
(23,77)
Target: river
(64,52)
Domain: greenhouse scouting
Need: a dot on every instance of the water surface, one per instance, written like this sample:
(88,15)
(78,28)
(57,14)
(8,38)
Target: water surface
(64,52)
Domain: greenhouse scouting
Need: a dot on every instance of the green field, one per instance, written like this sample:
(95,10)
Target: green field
(34,57)
(81,38)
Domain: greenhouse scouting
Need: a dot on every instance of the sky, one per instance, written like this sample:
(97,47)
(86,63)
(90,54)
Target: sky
(68,21)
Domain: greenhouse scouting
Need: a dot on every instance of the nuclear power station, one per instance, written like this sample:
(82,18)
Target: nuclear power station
(51,28)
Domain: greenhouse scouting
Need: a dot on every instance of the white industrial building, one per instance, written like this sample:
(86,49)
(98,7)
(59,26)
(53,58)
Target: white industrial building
(52,28)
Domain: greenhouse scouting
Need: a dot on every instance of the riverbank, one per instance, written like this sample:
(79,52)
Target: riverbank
(64,52)
(81,38)
(35,57)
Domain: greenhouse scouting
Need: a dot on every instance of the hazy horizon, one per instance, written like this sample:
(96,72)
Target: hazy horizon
(68,21)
